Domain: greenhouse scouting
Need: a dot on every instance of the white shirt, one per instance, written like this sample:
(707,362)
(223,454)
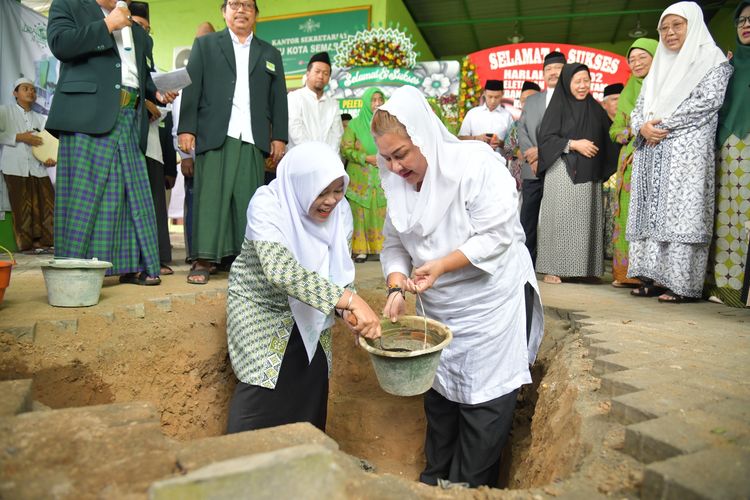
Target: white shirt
(16,158)
(548,97)
(153,146)
(176,104)
(128,66)
(482,303)
(313,119)
(239,121)
(480,120)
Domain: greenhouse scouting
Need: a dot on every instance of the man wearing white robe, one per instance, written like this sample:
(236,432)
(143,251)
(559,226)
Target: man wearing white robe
(314,116)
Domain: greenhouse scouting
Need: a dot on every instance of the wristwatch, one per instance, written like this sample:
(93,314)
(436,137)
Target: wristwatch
(398,289)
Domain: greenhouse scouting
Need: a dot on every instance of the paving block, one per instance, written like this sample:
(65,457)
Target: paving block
(184,297)
(202,452)
(163,304)
(109,316)
(84,452)
(720,473)
(597,350)
(658,401)
(15,397)
(303,471)
(50,331)
(215,293)
(135,311)
(21,333)
(630,359)
(733,389)
(639,379)
(619,331)
(682,433)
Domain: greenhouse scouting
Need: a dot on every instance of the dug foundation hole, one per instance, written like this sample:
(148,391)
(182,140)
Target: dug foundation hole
(177,360)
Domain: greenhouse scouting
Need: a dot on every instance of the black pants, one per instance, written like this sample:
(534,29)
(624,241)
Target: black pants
(464,442)
(301,393)
(532,191)
(159,195)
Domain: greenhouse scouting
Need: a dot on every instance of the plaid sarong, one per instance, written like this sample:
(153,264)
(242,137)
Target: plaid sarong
(103,207)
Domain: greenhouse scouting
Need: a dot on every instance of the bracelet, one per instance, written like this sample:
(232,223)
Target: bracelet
(392,289)
(351,297)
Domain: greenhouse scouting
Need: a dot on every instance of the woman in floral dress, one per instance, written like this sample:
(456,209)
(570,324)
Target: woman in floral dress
(670,223)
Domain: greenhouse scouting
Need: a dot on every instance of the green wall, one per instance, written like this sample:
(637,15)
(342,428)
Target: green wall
(722,28)
(174,22)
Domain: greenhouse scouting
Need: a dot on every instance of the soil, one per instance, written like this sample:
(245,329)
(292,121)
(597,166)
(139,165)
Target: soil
(178,361)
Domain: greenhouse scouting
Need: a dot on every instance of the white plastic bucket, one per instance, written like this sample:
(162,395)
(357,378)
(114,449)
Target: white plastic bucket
(74,282)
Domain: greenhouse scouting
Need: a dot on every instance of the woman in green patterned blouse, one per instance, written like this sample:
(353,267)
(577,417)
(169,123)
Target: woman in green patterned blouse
(365,194)
(294,270)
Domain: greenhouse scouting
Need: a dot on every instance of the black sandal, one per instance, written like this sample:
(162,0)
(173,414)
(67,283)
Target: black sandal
(196,272)
(648,290)
(141,278)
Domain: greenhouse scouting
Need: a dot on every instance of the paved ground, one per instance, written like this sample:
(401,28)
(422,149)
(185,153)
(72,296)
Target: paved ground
(678,375)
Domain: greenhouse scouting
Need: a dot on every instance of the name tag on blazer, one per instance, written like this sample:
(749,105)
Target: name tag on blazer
(270,67)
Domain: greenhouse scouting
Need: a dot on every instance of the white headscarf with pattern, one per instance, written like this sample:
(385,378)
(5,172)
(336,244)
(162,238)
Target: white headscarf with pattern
(674,75)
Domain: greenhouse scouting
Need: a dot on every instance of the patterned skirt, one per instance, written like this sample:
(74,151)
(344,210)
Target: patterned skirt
(571,226)
(368,227)
(103,207)
(620,244)
(729,249)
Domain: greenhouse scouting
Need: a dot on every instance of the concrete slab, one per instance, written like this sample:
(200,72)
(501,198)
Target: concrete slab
(314,468)
(659,400)
(15,397)
(716,474)
(683,433)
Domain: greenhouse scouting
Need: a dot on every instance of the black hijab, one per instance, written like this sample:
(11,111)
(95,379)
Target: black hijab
(568,118)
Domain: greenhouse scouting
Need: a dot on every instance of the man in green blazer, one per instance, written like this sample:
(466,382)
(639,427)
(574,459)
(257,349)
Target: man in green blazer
(103,203)
(233,115)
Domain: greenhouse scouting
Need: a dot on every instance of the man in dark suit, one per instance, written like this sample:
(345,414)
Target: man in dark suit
(103,207)
(232,115)
(532,187)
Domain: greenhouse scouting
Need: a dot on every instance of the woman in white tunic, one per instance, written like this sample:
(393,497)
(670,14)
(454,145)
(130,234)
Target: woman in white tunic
(452,225)
(672,199)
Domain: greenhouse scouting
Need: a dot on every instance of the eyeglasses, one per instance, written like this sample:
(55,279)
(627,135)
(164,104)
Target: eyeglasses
(675,28)
(241,5)
(740,21)
(632,60)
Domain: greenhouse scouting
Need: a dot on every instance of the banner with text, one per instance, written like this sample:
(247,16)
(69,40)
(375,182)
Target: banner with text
(24,52)
(437,80)
(300,36)
(518,62)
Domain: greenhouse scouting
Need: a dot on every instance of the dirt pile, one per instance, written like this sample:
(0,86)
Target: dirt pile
(175,360)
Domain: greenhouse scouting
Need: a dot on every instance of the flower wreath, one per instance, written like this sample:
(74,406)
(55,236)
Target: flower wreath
(470,90)
(387,47)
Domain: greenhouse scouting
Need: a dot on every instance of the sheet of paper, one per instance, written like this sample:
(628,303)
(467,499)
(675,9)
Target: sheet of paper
(174,80)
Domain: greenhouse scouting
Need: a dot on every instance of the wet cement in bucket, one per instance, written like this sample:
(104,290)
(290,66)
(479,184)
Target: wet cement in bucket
(407,363)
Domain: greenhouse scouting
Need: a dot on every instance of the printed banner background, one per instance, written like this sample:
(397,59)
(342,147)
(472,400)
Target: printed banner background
(523,61)
(299,37)
(436,79)
(24,51)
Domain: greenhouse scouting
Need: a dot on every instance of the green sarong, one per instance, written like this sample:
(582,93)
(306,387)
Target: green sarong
(224,181)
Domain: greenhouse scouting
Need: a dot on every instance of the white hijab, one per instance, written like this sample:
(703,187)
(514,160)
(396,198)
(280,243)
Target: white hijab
(422,211)
(674,75)
(279,212)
